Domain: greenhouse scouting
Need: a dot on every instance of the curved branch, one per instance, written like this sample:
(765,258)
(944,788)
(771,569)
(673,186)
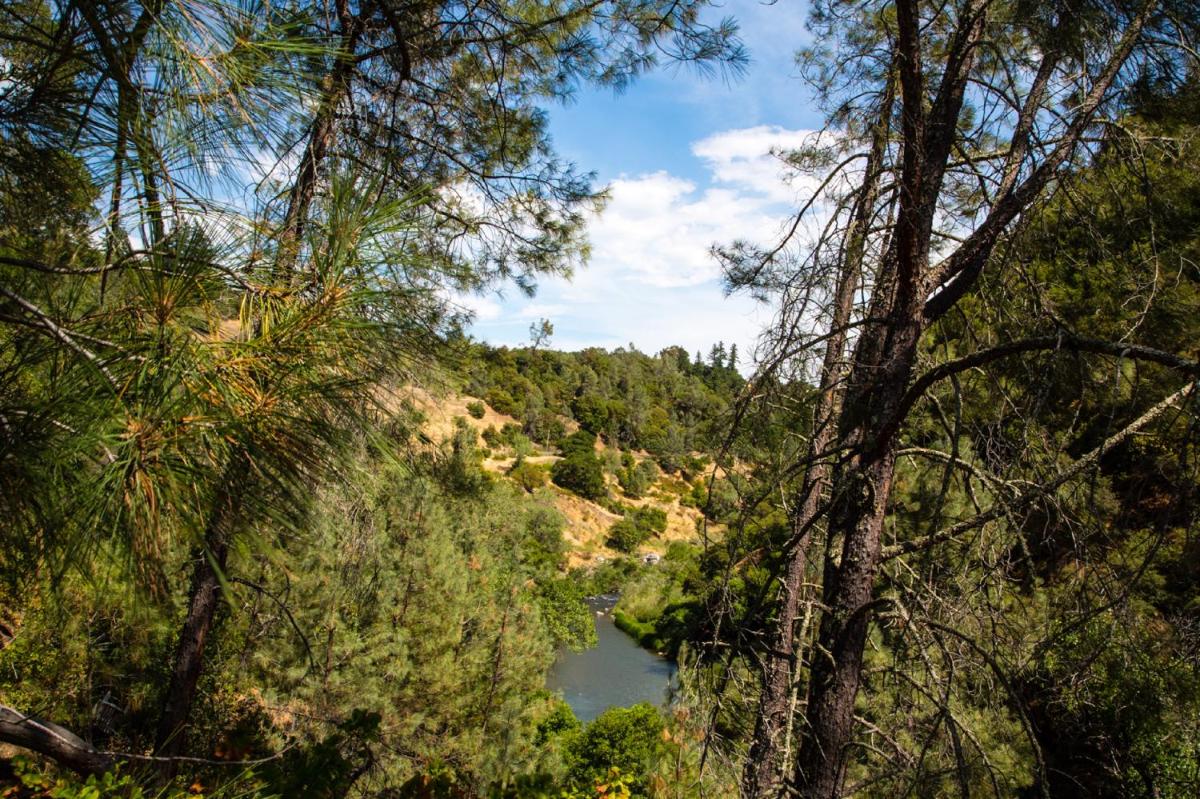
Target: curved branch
(1064,340)
(57,743)
(1083,464)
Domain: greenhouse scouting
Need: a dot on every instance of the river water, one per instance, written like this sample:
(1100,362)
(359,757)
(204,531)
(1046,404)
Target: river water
(614,672)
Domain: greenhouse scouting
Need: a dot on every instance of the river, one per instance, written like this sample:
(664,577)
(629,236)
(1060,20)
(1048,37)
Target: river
(614,672)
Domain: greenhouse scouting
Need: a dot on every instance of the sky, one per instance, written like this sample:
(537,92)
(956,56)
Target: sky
(686,159)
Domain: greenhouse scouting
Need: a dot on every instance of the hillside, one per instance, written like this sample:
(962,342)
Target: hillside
(588,522)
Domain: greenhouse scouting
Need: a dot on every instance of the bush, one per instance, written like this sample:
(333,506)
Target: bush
(637,526)
(719,503)
(567,617)
(580,472)
(476,409)
(636,478)
(542,546)
(625,738)
(579,442)
(652,519)
(545,428)
(608,577)
(626,535)
(502,401)
(528,476)
(491,437)
(512,435)
(643,632)
(614,505)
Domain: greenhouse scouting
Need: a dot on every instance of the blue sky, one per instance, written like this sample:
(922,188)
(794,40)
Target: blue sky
(686,158)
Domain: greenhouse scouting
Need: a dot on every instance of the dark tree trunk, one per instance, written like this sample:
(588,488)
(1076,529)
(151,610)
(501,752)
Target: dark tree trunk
(763,770)
(205,597)
(320,136)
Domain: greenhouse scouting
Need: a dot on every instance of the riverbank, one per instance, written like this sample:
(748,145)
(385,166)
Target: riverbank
(617,672)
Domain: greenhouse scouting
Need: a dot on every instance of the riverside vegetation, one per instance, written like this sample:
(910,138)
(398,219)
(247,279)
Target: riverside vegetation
(273,524)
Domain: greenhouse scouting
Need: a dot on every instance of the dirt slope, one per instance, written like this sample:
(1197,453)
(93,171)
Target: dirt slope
(587,522)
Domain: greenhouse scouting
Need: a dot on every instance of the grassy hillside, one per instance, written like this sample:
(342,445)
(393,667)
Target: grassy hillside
(507,453)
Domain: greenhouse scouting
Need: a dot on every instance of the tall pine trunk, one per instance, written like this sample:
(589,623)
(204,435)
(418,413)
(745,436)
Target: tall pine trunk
(761,775)
(203,601)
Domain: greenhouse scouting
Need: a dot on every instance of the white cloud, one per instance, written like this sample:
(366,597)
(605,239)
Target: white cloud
(482,308)
(651,280)
(747,159)
(658,228)
(542,310)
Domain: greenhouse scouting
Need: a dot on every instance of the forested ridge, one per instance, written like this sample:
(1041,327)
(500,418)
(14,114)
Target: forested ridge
(274,522)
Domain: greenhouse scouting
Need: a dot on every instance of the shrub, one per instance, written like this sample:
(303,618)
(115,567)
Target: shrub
(580,472)
(502,401)
(579,442)
(567,617)
(652,519)
(512,435)
(528,476)
(626,535)
(643,632)
(491,437)
(637,526)
(476,409)
(542,546)
(626,738)
(631,483)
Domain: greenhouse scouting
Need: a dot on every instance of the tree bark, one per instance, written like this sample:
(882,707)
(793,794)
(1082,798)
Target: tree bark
(762,772)
(320,136)
(883,363)
(877,400)
(57,743)
(204,599)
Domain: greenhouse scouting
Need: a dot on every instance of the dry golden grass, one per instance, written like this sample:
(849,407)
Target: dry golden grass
(587,523)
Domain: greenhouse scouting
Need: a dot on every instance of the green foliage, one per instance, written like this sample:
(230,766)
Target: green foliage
(636,478)
(197,365)
(567,617)
(642,632)
(461,470)
(608,577)
(581,473)
(626,536)
(581,442)
(529,476)
(543,549)
(419,597)
(476,409)
(328,768)
(36,781)
(659,606)
(665,404)
(638,525)
(629,739)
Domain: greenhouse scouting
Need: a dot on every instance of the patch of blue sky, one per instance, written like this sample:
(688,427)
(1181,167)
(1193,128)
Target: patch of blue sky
(686,157)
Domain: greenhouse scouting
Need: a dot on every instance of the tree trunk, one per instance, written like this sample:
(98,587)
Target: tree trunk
(320,136)
(761,776)
(859,504)
(202,608)
(907,296)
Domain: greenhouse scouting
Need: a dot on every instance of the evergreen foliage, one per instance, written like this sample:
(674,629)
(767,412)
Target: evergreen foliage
(582,473)
(663,404)
(234,561)
(638,525)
